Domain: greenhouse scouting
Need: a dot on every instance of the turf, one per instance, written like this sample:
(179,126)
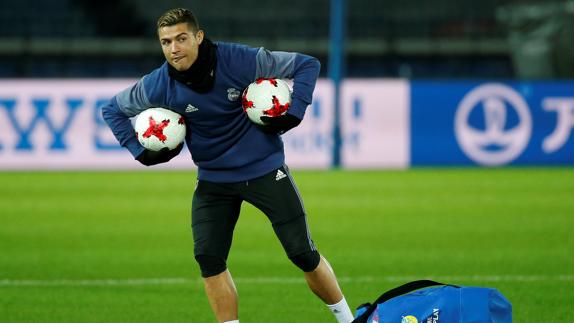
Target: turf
(117,247)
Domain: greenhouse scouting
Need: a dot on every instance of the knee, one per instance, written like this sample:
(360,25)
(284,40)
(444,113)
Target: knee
(210,265)
(307,261)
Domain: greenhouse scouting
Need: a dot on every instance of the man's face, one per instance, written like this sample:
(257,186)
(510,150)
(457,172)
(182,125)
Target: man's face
(180,46)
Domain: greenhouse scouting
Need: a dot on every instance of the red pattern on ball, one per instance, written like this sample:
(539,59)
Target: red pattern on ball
(156,129)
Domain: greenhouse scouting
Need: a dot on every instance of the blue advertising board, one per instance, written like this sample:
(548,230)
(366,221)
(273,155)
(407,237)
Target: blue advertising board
(492,123)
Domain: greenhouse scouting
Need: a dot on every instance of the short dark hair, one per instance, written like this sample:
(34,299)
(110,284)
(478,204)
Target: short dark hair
(178,16)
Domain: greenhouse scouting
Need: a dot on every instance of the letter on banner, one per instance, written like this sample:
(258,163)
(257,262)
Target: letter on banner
(565,109)
(41,107)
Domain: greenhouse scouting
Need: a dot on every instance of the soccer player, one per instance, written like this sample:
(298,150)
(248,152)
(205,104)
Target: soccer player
(237,160)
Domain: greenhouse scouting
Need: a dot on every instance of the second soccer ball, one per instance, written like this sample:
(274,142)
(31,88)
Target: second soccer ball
(266,97)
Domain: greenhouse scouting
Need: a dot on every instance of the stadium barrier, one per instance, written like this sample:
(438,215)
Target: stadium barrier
(386,123)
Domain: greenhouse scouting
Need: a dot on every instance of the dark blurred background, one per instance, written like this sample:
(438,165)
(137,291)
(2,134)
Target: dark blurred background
(387,38)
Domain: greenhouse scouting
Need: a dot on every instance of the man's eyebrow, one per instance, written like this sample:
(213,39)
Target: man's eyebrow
(167,38)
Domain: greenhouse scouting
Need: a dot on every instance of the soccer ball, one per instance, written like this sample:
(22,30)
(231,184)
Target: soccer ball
(266,97)
(158,128)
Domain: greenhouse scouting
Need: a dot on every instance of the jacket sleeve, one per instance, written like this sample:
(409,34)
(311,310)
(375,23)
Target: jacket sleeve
(120,109)
(303,69)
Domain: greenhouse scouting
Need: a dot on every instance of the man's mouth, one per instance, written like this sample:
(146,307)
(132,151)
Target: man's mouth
(177,58)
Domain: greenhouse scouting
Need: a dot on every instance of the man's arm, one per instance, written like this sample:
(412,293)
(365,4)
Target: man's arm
(122,127)
(303,69)
(117,114)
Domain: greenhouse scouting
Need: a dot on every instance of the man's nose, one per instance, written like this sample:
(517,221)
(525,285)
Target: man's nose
(174,48)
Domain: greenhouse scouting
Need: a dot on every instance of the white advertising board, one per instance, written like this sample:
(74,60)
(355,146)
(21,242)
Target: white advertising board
(56,124)
(375,123)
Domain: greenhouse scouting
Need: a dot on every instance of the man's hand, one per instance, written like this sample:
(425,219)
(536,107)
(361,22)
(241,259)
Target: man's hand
(150,157)
(279,125)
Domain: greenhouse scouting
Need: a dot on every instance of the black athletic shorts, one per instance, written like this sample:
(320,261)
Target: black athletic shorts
(216,207)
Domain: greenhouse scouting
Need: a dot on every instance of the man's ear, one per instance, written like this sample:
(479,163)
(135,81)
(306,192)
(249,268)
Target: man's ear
(199,36)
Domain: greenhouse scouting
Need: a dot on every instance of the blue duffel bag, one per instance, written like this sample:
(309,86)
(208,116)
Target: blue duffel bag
(426,301)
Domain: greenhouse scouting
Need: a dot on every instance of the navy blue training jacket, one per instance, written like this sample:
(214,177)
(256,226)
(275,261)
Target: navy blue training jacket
(224,144)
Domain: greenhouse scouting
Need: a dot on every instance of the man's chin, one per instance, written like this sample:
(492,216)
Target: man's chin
(179,66)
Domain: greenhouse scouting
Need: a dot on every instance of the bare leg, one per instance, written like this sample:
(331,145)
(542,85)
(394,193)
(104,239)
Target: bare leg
(323,283)
(222,296)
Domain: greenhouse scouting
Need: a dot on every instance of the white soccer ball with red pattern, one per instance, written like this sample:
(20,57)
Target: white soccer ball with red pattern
(158,128)
(266,97)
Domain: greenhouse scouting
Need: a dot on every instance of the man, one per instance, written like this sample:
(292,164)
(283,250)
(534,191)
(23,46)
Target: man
(237,160)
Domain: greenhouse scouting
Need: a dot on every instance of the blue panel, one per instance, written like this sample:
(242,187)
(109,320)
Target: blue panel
(498,123)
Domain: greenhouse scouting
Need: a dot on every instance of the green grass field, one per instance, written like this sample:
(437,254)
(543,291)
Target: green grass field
(117,247)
